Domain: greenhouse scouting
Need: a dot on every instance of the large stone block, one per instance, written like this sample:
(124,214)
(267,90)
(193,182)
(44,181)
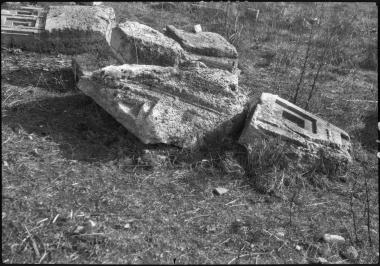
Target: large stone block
(209,48)
(274,116)
(21,27)
(61,29)
(79,29)
(203,43)
(135,43)
(179,106)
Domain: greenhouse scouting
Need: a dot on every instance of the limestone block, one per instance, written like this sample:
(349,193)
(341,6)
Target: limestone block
(274,116)
(230,64)
(21,27)
(179,106)
(203,43)
(135,43)
(61,29)
(79,29)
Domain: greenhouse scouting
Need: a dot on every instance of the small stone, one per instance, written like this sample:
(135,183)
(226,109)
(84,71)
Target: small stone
(219,191)
(127,226)
(333,238)
(280,233)
(351,253)
(324,251)
(321,260)
(197,28)
(79,229)
(299,248)
(91,223)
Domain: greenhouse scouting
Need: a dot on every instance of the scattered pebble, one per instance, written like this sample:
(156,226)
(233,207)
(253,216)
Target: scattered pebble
(127,226)
(299,248)
(333,238)
(280,233)
(325,250)
(350,253)
(322,260)
(219,191)
(91,223)
(79,229)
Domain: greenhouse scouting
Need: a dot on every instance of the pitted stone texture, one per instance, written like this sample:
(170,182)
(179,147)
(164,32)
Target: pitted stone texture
(78,29)
(203,43)
(315,137)
(135,43)
(225,63)
(165,104)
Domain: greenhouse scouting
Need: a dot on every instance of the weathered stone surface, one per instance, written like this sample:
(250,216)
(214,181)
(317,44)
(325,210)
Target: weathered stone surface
(79,29)
(350,253)
(19,27)
(226,63)
(333,238)
(135,43)
(312,136)
(61,29)
(203,43)
(219,191)
(166,104)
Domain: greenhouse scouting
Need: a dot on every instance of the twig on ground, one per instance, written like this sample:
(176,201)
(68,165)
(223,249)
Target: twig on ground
(231,202)
(43,257)
(43,220)
(245,255)
(315,204)
(242,204)
(358,100)
(33,243)
(192,218)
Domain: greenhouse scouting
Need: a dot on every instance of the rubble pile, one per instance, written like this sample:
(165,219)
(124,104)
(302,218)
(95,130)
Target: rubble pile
(176,88)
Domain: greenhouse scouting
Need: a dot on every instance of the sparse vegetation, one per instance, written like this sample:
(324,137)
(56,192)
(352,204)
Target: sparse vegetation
(77,187)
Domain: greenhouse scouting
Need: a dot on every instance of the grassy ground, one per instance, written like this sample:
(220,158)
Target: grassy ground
(77,187)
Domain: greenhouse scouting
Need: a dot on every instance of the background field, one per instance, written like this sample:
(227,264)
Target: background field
(77,187)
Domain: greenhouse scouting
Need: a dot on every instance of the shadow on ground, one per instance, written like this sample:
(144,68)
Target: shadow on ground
(61,80)
(83,130)
(368,135)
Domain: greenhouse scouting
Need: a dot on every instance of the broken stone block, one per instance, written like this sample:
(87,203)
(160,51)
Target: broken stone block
(79,29)
(60,29)
(19,27)
(203,43)
(310,136)
(135,43)
(179,106)
(207,47)
(225,63)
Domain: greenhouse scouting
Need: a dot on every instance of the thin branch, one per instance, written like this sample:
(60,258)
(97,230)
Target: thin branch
(303,67)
